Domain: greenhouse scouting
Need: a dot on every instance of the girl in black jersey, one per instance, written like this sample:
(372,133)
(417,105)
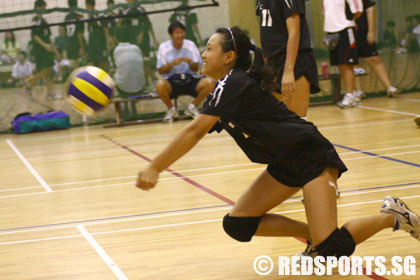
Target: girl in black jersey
(286,44)
(297,155)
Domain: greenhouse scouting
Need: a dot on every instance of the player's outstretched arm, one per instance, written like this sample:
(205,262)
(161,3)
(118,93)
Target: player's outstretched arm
(180,145)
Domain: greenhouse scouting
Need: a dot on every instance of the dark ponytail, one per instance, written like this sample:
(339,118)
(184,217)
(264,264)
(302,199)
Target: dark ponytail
(236,40)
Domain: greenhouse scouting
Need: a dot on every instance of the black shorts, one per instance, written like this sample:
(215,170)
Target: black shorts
(346,50)
(297,172)
(183,84)
(364,48)
(305,66)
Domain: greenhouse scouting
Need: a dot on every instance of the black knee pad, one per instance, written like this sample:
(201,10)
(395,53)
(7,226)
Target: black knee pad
(339,243)
(241,228)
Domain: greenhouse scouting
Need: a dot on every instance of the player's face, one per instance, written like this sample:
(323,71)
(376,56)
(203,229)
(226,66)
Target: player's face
(178,36)
(216,63)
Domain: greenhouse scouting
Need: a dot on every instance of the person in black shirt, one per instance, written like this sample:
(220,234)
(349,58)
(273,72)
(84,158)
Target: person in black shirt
(365,40)
(298,156)
(43,50)
(76,41)
(287,46)
(98,38)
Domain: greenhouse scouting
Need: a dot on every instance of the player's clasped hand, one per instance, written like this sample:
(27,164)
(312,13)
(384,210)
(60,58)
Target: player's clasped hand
(147,179)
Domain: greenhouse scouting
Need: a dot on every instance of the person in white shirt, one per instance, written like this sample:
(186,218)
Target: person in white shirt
(178,60)
(339,19)
(22,70)
(129,77)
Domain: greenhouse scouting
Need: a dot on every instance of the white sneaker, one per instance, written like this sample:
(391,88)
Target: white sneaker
(406,219)
(401,51)
(359,71)
(192,111)
(359,95)
(392,91)
(171,114)
(417,121)
(347,102)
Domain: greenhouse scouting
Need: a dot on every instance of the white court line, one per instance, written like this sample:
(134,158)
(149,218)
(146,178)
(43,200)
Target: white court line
(29,166)
(320,127)
(203,168)
(386,110)
(200,175)
(101,252)
(189,223)
(157,216)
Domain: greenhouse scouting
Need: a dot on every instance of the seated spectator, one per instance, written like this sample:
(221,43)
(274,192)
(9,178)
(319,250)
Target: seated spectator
(178,61)
(22,70)
(10,48)
(128,61)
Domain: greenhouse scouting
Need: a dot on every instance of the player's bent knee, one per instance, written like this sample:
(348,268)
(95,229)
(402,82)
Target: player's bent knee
(241,228)
(339,243)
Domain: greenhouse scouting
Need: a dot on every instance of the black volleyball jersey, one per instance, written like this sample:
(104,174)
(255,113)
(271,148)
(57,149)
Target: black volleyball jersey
(262,126)
(273,29)
(362,22)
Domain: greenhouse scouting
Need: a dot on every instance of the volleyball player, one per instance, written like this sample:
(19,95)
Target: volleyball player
(298,156)
(365,40)
(43,51)
(287,46)
(76,48)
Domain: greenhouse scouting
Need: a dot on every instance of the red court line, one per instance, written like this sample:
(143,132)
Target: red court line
(177,174)
(209,191)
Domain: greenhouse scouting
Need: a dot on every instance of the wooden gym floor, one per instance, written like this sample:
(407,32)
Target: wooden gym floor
(69,208)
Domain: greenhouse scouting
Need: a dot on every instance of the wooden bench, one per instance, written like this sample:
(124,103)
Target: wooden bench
(119,120)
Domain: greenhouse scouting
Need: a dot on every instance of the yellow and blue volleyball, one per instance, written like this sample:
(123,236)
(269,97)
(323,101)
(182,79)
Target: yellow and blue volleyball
(89,89)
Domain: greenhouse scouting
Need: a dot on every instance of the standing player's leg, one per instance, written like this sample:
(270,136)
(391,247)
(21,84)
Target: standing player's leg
(376,63)
(248,216)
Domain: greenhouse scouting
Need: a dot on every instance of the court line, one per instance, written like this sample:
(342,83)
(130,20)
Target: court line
(110,219)
(29,166)
(377,155)
(206,168)
(188,180)
(190,223)
(162,214)
(102,253)
(386,110)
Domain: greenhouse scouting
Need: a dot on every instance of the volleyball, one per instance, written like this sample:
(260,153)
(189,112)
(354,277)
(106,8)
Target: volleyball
(89,89)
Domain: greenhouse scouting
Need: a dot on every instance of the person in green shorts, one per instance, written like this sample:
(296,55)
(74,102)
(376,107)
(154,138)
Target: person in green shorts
(189,19)
(111,23)
(141,32)
(43,51)
(98,37)
(76,42)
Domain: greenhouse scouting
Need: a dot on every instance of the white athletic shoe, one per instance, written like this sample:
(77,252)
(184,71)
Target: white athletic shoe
(358,95)
(417,121)
(192,111)
(347,102)
(171,114)
(359,71)
(392,91)
(406,219)
(310,251)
